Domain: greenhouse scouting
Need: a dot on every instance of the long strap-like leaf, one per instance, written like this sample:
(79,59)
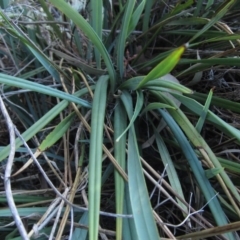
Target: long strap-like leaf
(140,203)
(197,170)
(95,155)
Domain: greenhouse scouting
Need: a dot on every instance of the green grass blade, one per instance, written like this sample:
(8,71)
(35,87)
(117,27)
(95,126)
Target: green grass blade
(57,133)
(220,12)
(129,229)
(136,16)
(90,33)
(41,123)
(163,82)
(147,15)
(96,10)
(203,115)
(230,165)
(4,4)
(140,203)
(95,155)
(25,84)
(123,35)
(139,104)
(164,66)
(170,169)
(198,171)
(120,124)
(181,6)
(210,173)
(196,107)
(42,58)
(168,85)
(198,8)
(206,151)
(217,101)
(155,105)
(80,233)
(141,206)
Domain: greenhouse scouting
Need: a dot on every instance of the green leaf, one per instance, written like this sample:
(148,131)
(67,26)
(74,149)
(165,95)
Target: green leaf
(123,35)
(182,5)
(217,101)
(198,171)
(147,15)
(136,16)
(203,147)
(120,124)
(129,229)
(210,173)
(56,28)
(90,33)
(15,30)
(57,133)
(163,82)
(170,169)
(220,12)
(96,11)
(139,104)
(165,66)
(95,154)
(41,123)
(196,107)
(203,115)
(25,84)
(230,165)
(140,203)
(155,105)
(141,206)
(81,233)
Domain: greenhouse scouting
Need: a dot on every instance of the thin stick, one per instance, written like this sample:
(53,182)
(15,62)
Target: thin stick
(8,170)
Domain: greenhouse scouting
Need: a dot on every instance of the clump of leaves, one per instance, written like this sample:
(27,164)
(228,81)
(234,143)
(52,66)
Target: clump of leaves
(112,134)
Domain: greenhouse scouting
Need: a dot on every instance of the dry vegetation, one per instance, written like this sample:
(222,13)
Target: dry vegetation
(109,144)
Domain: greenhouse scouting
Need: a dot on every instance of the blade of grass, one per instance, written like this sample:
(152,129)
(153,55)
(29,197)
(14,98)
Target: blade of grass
(170,169)
(180,6)
(123,35)
(25,84)
(164,82)
(220,12)
(203,115)
(203,148)
(230,165)
(217,101)
(15,30)
(147,14)
(136,16)
(137,110)
(96,23)
(80,233)
(41,123)
(164,66)
(140,203)
(129,229)
(90,33)
(120,124)
(95,154)
(196,107)
(50,140)
(198,171)
(155,105)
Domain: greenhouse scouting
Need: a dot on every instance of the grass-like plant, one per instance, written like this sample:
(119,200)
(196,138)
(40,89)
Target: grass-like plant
(114,125)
